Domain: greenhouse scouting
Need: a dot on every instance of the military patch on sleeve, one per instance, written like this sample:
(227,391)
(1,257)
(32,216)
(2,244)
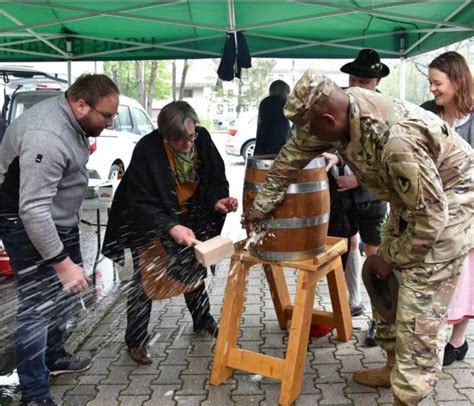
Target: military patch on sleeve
(403,183)
(39,158)
(405,177)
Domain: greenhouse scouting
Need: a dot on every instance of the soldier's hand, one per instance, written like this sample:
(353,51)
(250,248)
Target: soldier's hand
(346,182)
(251,218)
(332,160)
(381,268)
(72,276)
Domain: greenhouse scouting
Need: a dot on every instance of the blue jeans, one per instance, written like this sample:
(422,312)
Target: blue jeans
(43,307)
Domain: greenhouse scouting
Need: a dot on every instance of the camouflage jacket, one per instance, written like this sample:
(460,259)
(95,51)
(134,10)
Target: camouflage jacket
(404,155)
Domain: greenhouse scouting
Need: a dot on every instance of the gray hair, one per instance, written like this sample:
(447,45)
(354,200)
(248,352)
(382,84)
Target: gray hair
(174,119)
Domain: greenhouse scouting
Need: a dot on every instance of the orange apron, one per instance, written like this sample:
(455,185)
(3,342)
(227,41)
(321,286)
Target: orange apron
(153,259)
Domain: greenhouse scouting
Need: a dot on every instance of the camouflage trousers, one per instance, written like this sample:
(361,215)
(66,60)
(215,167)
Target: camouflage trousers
(418,336)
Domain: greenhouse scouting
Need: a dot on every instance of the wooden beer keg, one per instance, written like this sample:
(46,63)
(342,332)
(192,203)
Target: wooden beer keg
(297,228)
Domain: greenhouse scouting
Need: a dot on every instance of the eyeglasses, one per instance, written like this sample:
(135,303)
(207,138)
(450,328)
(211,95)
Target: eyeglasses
(106,115)
(185,140)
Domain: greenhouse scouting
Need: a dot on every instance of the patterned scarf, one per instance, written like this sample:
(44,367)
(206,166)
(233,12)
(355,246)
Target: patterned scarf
(185,165)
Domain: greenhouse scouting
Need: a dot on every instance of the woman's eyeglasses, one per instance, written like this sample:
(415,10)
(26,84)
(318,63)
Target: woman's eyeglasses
(184,141)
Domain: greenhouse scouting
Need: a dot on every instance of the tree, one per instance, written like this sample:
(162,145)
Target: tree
(184,72)
(151,85)
(173,79)
(141,80)
(253,84)
(182,83)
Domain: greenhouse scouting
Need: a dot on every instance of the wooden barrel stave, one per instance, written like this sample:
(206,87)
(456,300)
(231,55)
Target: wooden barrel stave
(298,227)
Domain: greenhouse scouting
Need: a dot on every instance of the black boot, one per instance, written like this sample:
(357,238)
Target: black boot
(452,354)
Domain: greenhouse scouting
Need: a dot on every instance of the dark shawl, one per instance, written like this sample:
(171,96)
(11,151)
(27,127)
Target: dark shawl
(146,206)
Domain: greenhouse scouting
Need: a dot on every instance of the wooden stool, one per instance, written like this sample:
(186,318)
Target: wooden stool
(297,317)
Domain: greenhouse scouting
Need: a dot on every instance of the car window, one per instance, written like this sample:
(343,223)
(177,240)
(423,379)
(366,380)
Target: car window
(23,101)
(144,124)
(124,120)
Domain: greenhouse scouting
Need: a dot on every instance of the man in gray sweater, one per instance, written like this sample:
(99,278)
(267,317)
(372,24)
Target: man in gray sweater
(43,180)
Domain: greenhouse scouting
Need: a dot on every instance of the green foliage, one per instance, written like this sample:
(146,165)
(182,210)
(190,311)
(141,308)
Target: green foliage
(163,80)
(206,123)
(255,81)
(124,75)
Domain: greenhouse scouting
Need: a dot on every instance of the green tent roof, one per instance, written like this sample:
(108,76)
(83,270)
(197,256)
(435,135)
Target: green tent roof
(49,30)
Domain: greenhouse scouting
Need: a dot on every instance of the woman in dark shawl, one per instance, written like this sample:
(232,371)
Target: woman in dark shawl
(174,192)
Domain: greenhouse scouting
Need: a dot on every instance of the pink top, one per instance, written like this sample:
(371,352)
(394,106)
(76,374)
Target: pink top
(462,303)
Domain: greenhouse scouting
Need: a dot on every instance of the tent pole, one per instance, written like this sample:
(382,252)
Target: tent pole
(69,62)
(402,67)
(402,77)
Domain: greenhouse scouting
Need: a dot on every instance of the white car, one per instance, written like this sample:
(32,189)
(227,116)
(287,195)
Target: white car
(241,136)
(110,153)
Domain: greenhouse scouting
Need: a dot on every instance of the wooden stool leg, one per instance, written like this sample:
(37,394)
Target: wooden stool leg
(279,291)
(340,302)
(230,320)
(298,338)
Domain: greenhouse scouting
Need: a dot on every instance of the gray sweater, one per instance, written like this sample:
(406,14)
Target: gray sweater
(43,175)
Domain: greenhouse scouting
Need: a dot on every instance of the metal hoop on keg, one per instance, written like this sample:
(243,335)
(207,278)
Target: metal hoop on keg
(286,256)
(294,188)
(259,162)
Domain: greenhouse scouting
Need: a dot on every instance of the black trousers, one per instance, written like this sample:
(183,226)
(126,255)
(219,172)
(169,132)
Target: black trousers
(139,309)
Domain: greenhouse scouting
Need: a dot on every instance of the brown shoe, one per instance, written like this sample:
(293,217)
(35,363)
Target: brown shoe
(141,355)
(377,377)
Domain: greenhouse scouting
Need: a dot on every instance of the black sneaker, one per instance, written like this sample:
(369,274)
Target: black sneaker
(370,338)
(38,402)
(69,363)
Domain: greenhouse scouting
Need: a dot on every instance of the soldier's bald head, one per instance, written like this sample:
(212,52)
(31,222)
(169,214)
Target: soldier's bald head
(316,101)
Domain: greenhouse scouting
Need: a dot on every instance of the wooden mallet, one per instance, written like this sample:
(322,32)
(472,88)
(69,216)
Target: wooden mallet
(213,250)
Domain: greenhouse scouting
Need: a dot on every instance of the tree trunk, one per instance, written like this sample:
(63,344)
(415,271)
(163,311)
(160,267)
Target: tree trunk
(173,80)
(151,87)
(183,79)
(139,75)
(116,77)
(238,108)
(129,79)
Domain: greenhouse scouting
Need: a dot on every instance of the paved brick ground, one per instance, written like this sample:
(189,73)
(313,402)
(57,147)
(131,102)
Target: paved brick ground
(182,363)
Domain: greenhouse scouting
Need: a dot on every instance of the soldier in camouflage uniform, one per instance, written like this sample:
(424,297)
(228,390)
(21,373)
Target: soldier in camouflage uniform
(412,159)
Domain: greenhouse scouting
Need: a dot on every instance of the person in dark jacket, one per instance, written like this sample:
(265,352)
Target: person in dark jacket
(354,210)
(173,193)
(273,128)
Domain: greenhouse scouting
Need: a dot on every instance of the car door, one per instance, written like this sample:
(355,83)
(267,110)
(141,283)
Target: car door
(143,124)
